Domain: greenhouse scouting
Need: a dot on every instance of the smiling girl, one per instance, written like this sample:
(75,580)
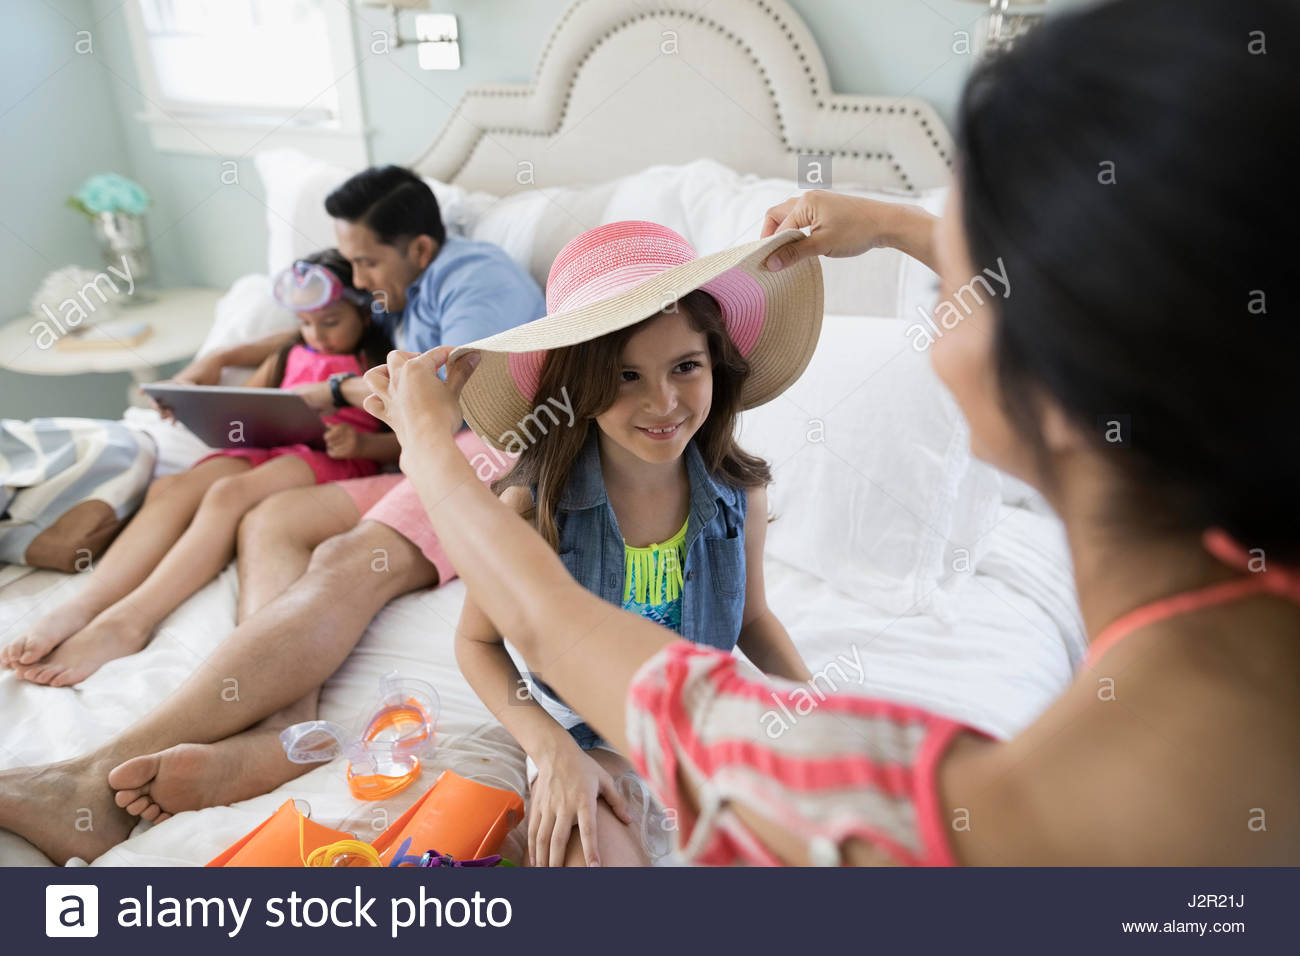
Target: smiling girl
(645,497)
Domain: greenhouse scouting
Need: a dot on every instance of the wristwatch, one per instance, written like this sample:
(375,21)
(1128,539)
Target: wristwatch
(336,388)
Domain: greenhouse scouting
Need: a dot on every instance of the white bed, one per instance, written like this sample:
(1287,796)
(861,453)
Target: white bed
(947,582)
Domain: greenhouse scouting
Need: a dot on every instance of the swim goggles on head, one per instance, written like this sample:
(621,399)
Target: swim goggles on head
(308,286)
(384,751)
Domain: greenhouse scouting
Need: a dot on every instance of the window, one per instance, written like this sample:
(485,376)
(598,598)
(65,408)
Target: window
(235,75)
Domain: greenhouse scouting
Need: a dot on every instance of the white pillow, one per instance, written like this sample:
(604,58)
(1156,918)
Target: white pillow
(533,226)
(711,206)
(296,185)
(873,486)
(246,313)
(918,285)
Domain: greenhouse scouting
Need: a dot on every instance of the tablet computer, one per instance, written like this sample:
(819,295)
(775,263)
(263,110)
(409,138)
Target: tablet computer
(241,417)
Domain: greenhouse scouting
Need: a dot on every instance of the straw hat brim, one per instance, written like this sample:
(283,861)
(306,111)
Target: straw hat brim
(497,410)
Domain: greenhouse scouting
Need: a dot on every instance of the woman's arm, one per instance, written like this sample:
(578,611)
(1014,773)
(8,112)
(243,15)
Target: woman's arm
(841,226)
(763,638)
(560,628)
(489,669)
(569,782)
(521,583)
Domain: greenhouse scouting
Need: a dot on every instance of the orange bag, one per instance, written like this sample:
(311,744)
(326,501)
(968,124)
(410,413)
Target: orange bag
(286,838)
(455,817)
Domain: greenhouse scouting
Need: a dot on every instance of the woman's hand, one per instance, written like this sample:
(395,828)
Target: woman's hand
(342,441)
(408,396)
(565,793)
(841,226)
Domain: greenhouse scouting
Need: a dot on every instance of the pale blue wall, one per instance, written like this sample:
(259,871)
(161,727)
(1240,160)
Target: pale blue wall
(221,235)
(82,119)
(58,123)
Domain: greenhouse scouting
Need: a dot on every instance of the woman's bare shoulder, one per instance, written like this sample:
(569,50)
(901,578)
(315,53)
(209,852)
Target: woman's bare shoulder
(1158,753)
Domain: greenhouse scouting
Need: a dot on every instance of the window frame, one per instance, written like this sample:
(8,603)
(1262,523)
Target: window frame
(206,129)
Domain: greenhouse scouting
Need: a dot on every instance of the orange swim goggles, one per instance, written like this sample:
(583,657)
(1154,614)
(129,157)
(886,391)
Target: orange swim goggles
(385,749)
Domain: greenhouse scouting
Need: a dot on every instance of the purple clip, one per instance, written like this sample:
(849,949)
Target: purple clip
(433,858)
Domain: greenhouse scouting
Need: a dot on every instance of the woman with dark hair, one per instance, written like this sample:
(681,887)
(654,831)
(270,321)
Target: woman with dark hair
(1126,163)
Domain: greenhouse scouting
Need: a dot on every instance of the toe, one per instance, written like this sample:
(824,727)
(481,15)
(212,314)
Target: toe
(40,674)
(138,806)
(124,798)
(161,817)
(66,677)
(32,650)
(151,812)
(134,774)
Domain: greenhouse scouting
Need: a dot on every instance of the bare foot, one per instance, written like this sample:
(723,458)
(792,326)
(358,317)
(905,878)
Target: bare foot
(109,636)
(194,776)
(48,633)
(63,809)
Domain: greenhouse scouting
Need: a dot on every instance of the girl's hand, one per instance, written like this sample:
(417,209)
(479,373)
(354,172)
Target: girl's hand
(202,371)
(164,411)
(342,441)
(839,226)
(408,396)
(565,792)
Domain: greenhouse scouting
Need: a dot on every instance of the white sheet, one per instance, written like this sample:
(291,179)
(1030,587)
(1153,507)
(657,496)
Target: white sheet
(990,647)
(1007,651)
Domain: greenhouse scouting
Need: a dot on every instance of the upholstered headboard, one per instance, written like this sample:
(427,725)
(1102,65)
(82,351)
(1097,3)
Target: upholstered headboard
(626,84)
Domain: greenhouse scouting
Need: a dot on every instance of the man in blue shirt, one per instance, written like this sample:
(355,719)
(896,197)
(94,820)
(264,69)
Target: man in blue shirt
(316,564)
(429,289)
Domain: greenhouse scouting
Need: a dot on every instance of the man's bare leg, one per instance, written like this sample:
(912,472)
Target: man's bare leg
(270,661)
(277,538)
(276,541)
(194,776)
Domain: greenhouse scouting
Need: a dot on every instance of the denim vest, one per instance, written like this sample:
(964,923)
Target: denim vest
(713,572)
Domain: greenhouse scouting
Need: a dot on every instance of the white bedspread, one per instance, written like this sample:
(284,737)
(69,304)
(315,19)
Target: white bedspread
(1010,647)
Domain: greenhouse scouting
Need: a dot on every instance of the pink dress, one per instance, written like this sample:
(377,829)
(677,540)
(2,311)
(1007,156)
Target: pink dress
(303,367)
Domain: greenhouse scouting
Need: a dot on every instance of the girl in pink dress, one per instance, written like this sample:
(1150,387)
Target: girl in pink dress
(184,534)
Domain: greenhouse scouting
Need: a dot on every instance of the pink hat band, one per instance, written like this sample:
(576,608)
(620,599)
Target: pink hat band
(608,260)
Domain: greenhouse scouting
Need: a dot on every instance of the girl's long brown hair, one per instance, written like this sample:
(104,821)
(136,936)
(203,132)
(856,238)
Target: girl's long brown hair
(590,372)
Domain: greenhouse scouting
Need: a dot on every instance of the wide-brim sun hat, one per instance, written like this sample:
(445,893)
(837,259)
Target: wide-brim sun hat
(617,275)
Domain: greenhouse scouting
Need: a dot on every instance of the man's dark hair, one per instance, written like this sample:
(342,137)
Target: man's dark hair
(393,202)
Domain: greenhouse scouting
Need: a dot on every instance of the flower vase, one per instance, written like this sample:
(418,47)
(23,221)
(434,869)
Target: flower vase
(121,236)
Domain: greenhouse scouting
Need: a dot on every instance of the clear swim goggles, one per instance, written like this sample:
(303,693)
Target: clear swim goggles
(308,286)
(385,748)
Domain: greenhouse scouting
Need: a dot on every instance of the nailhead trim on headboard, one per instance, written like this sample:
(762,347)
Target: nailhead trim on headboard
(771,13)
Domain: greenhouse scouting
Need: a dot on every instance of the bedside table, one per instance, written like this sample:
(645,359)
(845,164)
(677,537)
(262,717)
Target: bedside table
(181,319)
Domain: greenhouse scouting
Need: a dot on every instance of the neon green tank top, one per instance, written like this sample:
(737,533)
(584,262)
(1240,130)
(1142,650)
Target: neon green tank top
(652,585)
